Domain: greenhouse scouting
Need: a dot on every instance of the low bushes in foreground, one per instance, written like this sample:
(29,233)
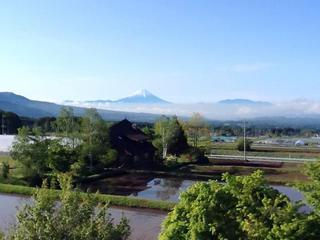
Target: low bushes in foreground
(77,216)
(245,207)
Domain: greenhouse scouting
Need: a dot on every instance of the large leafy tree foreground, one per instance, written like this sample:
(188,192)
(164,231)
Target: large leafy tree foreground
(73,215)
(242,208)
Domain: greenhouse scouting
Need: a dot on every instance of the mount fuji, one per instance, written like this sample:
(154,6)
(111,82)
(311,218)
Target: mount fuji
(142,96)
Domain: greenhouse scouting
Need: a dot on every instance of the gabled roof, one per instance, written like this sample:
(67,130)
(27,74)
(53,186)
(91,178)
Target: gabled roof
(128,129)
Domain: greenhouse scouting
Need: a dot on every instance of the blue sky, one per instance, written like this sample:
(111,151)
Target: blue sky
(183,51)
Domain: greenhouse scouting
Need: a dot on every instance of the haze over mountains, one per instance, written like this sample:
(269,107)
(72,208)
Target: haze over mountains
(244,102)
(142,96)
(34,109)
(228,109)
(145,106)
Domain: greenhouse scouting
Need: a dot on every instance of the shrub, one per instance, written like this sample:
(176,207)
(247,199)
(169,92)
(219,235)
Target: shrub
(5,169)
(78,216)
(198,156)
(242,208)
(240,144)
(171,161)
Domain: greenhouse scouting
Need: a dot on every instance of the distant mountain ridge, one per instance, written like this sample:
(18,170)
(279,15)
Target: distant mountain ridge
(142,96)
(240,101)
(23,106)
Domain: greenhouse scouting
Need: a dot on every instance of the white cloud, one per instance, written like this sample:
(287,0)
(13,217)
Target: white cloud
(294,108)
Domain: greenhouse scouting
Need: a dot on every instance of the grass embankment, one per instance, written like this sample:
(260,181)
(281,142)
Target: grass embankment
(113,200)
(8,159)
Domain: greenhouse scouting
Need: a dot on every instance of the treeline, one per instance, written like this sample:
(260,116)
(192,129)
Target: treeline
(81,146)
(11,122)
(78,146)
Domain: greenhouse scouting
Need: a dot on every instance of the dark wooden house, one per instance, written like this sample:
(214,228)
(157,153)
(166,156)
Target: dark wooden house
(132,144)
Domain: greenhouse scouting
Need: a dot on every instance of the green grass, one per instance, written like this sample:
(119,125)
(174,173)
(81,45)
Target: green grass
(231,149)
(17,189)
(288,173)
(15,172)
(226,146)
(113,200)
(8,159)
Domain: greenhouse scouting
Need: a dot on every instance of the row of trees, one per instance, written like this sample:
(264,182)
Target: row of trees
(176,139)
(9,122)
(81,144)
(78,145)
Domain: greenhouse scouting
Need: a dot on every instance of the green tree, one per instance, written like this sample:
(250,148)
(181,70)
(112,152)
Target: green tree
(77,216)
(311,192)
(5,169)
(240,144)
(60,156)
(311,188)
(30,149)
(242,208)
(149,131)
(170,136)
(47,124)
(73,149)
(95,142)
(67,126)
(197,127)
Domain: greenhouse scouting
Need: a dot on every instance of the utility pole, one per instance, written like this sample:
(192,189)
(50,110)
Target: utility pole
(244,141)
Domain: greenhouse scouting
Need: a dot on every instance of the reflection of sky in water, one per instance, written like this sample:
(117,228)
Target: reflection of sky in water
(293,194)
(6,142)
(167,189)
(8,208)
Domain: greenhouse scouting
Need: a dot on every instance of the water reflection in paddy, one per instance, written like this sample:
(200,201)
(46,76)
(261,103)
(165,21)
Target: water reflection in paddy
(166,189)
(145,223)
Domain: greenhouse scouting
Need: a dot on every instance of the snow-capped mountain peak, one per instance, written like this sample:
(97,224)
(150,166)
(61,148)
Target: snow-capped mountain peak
(142,93)
(142,96)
